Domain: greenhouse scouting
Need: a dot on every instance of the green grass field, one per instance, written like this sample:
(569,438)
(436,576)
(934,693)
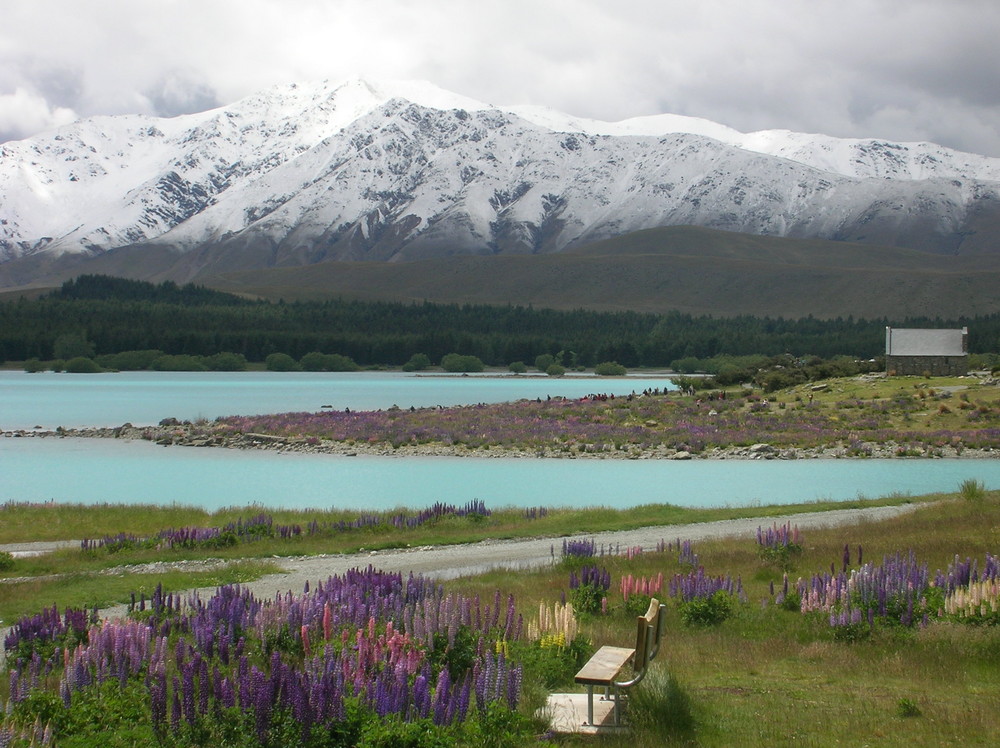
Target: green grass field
(765,676)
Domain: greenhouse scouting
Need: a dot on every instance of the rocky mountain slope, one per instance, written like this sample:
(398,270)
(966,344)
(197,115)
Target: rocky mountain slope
(405,171)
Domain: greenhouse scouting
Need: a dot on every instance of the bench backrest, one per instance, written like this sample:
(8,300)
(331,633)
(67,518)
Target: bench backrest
(649,631)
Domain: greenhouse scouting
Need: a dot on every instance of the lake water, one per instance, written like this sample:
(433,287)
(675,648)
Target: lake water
(105,470)
(144,398)
(96,470)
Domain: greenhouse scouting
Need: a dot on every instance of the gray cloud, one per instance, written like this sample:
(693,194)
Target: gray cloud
(897,69)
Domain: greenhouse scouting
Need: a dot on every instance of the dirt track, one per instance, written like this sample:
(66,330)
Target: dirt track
(449,562)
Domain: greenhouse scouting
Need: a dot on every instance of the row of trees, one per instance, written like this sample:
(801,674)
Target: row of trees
(111,316)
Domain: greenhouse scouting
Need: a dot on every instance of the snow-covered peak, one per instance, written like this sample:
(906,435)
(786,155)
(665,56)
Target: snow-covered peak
(389,169)
(656,125)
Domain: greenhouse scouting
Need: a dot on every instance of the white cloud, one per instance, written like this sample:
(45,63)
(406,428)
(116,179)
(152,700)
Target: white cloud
(900,69)
(24,113)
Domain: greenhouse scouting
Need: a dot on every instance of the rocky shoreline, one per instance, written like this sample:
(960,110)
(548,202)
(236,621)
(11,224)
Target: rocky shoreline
(172,433)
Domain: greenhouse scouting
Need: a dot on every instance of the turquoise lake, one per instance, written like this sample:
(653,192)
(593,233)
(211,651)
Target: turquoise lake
(97,470)
(144,398)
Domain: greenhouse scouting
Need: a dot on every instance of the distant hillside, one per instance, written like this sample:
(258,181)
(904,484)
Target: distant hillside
(688,269)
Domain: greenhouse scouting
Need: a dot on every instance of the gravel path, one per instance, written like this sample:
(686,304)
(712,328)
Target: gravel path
(451,561)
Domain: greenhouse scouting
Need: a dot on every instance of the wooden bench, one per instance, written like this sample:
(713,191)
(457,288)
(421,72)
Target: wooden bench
(604,667)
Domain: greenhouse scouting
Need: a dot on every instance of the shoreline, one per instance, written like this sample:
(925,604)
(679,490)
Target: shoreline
(188,435)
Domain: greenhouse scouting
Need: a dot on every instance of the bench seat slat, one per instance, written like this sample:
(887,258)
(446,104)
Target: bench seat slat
(602,668)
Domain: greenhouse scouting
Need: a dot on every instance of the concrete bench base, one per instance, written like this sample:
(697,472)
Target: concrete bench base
(567,713)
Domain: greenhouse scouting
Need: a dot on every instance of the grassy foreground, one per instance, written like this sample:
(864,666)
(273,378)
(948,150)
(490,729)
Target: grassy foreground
(765,675)
(770,676)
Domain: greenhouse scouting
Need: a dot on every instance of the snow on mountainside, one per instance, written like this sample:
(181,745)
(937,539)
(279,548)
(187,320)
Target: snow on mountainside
(395,171)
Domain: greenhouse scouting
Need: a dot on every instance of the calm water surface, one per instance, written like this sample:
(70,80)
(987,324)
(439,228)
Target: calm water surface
(104,470)
(96,470)
(144,398)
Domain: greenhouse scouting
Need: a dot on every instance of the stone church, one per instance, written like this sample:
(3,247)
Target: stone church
(921,352)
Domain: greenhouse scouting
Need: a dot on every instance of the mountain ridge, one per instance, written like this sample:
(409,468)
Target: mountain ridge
(366,171)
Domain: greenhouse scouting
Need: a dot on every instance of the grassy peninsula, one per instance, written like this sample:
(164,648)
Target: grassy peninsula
(870,415)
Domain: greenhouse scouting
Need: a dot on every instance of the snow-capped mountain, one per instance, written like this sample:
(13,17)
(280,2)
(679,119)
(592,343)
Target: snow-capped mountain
(398,171)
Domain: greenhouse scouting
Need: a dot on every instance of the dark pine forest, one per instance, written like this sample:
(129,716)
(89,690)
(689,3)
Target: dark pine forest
(118,315)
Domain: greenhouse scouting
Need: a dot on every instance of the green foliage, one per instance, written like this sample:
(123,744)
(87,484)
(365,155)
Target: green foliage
(694,383)
(43,706)
(781,556)
(120,315)
(6,561)
(226,361)
(454,362)
(552,666)
(107,715)
(544,361)
(908,708)
(130,360)
(458,656)
(316,361)
(587,599)
(499,727)
(851,633)
(707,611)
(81,365)
(280,362)
(338,362)
(33,366)
(181,362)
(556,370)
(72,345)
(394,733)
(417,362)
(517,367)
(312,361)
(972,490)
(610,369)
(792,602)
(661,709)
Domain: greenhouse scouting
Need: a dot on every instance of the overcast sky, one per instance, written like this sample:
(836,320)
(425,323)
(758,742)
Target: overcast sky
(897,69)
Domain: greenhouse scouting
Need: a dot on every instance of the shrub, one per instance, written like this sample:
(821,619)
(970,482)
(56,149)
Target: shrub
(610,369)
(556,370)
(544,361)
(227,362)
(81,365)
(130,360)
(552,660)
(707,611)
(6,561)
(517,367)
(33,366)
(339,362)
(660,708)
(178,363)
(972,490)
(72,345)
(454,362)
(281,362)
(589,589)
(417,362)
(312,361)
(778,545)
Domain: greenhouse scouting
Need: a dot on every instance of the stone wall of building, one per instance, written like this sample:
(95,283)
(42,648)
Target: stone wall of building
(936,366)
